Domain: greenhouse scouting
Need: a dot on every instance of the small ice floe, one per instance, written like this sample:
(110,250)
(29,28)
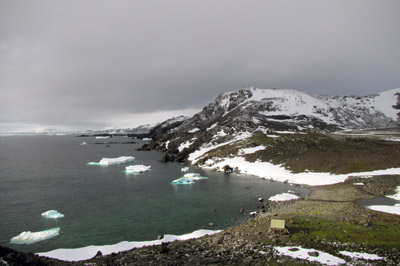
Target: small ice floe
(29,237)
(185,169)
(52,214)
(194,176)
(359,184)
(137,168)
(83,143)
(109,161)
(183,181)
(146,139)
(310,255)
(188,178)
(102,137)
(283,197)
(361,255)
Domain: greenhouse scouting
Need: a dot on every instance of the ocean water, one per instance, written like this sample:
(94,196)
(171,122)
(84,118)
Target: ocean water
(103,204)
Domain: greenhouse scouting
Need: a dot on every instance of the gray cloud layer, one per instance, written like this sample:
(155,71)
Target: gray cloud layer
(73,63)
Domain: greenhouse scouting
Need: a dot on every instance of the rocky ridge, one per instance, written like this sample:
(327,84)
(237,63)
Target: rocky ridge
(237,115)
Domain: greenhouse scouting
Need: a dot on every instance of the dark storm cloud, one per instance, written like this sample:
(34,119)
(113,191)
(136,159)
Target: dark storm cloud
(83,64)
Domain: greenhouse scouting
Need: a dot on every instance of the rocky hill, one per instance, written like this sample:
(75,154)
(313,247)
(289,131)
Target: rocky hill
(238,116)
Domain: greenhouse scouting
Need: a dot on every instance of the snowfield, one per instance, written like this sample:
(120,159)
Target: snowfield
(84,253)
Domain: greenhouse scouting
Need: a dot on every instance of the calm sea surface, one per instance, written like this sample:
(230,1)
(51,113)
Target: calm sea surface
(104,205)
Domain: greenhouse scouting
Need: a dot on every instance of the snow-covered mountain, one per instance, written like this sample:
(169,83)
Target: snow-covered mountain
(238,114)
(142,129)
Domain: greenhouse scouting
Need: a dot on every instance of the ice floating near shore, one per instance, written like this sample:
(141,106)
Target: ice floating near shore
(83,143)
(29,237)
(52,214)
(304,254)
(185,169)
(102,137)
(137,168)
(183,181)
(88,252)
(283,197)
(109,161)
(188,178)
(194,176)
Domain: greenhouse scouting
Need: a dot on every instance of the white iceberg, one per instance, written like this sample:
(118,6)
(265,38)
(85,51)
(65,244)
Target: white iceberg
(29,237)
(283,197)
(83,143)
(137,168)
(188,179)
(102,137)
(183,181)
(146,139)
(185,169)
(109,161)
(52,214)
(194,176)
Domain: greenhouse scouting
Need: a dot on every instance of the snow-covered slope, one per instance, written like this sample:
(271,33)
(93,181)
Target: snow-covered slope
(236,115)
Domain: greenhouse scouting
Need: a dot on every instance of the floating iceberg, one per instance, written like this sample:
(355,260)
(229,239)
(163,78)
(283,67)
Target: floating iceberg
(183,181)
(185,169)
(109,161)
(188,179)
(194,176)
(102,137)
(137,168)
(83,143)
(52,214)
(29,237)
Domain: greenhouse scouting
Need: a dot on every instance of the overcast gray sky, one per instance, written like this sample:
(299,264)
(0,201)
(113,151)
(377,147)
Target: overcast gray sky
(96,64)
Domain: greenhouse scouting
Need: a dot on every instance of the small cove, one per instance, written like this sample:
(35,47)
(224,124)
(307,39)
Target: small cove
(105,205)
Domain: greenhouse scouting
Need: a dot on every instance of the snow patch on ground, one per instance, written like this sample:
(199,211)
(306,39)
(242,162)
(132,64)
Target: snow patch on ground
(29,237)
(279,173)
(193,130)
(196,155)
(251,150)
(212,126)
(186,144)
(88,252)
(283,197)
(361,255)
(304,254)
(384,208)
(397,195)
(110,161)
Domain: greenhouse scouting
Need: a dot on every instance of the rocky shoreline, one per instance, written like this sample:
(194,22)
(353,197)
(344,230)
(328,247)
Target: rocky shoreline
(328,220)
